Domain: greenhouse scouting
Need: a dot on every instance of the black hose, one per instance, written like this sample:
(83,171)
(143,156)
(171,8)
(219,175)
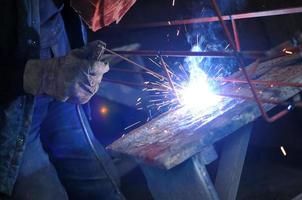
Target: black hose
(88,137)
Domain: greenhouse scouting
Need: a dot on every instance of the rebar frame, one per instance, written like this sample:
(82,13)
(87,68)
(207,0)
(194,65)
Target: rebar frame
(237,53)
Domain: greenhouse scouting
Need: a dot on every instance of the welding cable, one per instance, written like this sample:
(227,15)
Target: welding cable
(89,137)
(88,134)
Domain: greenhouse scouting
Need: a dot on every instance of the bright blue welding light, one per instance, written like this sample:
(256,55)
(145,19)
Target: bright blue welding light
(197,93)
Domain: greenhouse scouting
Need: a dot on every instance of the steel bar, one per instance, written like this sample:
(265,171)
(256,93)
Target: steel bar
(236,35)
(240,16)
(223,24)
(134,84)
(248,54)
(253,90)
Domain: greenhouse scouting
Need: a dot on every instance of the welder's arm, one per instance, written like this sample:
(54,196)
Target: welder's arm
(75,77)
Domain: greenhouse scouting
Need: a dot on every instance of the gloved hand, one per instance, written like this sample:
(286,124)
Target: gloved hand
(74,77)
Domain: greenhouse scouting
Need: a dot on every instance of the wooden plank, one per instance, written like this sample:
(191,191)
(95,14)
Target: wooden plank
(189,180)
(175,136)
(231,163)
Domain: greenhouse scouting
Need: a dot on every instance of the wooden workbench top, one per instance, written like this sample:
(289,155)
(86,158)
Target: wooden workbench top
(175,136)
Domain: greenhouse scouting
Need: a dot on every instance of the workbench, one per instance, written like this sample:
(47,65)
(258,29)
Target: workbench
(174,148)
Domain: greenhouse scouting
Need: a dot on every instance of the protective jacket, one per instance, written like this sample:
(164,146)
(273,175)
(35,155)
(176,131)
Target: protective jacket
(20,40)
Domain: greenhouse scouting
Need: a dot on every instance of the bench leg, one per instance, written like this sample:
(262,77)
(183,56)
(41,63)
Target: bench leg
(187,181)
(231,163)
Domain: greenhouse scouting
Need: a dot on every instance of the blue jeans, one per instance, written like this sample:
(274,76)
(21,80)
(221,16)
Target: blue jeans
(58,162)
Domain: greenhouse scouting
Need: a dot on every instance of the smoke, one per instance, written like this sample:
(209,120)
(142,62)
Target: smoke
(210,37)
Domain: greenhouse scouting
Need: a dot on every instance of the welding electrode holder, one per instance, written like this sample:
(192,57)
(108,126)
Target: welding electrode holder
(99,52)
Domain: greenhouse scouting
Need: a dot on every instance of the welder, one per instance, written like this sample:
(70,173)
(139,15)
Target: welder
(44,150)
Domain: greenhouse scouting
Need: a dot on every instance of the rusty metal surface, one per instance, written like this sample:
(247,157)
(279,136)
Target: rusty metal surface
(173,137)
(240,16)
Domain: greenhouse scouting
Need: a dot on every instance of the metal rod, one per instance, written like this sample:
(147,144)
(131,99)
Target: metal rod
(248,54)
(133,84)
(236,35)
(225,18)
(223,24)
(253,90)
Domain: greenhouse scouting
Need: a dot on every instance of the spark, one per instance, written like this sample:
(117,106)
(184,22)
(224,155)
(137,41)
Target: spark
(104,110)
(283,151)
(155,100)
(173,2)
(289,52)
(192,86)
(132,125)
(227,47)
(185,28)
(184,72)
(154,62)
(177,32)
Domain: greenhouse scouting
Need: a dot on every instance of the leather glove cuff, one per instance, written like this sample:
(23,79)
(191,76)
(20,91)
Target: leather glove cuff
(33,76)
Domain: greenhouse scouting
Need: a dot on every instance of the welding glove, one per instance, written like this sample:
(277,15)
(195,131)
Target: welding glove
(74,77)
